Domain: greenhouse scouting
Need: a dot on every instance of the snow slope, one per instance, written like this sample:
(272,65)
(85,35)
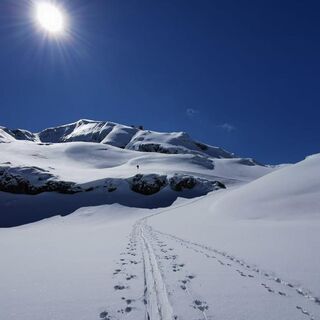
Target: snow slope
(290,193)
(271,224)
(81,166)
(249,251)
(4,136)
(90,161)
(213,257)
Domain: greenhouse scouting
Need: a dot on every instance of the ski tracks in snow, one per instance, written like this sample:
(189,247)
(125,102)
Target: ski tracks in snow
(156,298)
(153,283)
(272,284)
(149,282)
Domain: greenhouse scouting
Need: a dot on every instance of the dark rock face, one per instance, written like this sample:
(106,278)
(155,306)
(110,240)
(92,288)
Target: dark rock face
(61,187)
(181,182)
(147,184)
(249,162)
(178,183)
(33,180)
(201,146)
(219,185)
(155,147)
(152,183)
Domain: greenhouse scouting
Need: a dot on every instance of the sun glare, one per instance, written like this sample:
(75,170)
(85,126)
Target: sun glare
(50,18)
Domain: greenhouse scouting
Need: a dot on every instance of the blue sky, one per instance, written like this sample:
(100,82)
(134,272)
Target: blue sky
(243,75)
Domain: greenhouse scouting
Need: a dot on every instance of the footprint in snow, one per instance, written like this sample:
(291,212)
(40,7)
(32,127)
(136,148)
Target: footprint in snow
(200,305)
(119,287)
(177,267)
(104,315)
(303,311)
(117,271)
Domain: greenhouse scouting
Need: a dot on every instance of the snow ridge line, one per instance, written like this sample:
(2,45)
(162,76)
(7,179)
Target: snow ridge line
(157,302)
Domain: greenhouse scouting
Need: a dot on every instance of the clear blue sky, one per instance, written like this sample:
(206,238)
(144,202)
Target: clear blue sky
(243,75)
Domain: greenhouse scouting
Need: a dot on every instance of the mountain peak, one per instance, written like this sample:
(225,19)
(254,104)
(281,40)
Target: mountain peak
(118,135)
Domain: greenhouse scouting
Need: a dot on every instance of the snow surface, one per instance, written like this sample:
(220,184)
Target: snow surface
(101,167)
(248,252)
(4,136)
(91,161)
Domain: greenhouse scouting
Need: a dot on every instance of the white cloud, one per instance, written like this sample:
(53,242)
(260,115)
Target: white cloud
(191,112)
(227,127)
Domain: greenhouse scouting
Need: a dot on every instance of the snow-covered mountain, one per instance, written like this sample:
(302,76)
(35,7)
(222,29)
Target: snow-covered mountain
(125,137)
(98,162)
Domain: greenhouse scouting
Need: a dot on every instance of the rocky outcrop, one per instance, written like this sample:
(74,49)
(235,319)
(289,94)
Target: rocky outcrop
(182,182)
(33,180)
(156,147)
(178,183)
(147,184)
(152,183)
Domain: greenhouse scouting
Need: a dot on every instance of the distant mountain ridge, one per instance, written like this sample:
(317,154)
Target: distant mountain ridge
(118,135)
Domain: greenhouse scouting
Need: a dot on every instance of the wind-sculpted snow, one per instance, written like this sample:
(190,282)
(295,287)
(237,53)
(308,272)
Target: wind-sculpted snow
(293,192)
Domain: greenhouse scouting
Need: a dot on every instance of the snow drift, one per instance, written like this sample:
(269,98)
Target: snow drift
(292,192)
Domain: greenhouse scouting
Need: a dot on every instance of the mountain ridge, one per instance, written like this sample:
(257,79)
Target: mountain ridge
(118,135)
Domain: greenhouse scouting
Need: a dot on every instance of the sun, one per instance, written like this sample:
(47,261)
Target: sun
(50,18)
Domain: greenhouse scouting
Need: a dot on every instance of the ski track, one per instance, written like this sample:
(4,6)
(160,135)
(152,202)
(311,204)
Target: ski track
(154,301)
(157,302)
(170,266)
(247,271)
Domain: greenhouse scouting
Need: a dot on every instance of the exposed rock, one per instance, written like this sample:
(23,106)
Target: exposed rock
(203,162)
(249,162)
(33,180)
(201,146)
(181,182)
(218,185)
(152,183)
(112,189)
(147,184)
(178,182)
(155,147)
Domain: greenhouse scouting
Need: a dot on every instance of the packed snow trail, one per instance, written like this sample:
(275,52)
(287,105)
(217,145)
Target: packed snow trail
(156,298)
(181,279)
(271,284)
(207,251)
